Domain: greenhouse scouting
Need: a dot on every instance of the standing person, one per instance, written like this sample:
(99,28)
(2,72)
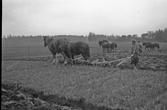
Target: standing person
(140,46)
(135,54)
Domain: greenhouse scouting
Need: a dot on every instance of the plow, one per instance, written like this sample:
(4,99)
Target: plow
(122,60)
(97,62)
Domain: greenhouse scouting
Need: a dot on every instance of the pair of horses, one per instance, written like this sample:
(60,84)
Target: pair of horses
(150,46)
(66,48)
(108,46)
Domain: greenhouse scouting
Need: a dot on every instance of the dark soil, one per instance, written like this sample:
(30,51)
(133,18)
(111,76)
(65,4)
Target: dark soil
(16,97)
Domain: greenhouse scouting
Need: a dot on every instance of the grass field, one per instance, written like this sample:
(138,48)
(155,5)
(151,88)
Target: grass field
(112,87)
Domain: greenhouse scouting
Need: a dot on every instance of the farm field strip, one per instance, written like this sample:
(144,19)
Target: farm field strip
(85,83)
(99,85)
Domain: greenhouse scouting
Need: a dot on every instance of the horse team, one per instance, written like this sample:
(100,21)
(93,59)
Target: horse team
(108,46)
(70,49)
(150,46)
(66,48)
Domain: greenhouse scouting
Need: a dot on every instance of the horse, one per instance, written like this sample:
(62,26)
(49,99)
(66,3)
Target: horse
(101,42)
(78,48)
(58,46)
(157,45)
(152,46)
(105,45)
(112,46)
(148,45)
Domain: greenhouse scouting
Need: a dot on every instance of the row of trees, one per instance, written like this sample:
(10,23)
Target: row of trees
(23,36)
(96,37)
(39,38)
(159,35)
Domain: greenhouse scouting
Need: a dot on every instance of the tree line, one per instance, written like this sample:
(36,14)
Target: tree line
(39,38)
(97,37)
(159,35)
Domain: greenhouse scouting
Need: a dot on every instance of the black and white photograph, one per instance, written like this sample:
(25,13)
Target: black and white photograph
(84,55)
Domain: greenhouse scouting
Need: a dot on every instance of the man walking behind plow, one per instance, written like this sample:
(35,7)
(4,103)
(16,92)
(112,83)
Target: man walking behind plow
(135,54)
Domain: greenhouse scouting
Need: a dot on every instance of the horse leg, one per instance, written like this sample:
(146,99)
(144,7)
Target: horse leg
(69,55)
(54,58)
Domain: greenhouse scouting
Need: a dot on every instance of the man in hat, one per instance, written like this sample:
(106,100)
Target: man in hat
(135,53)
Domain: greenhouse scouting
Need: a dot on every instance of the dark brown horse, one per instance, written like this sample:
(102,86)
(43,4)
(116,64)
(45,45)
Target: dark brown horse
(157,45)
(105,45)
(101,42)
(108,46)
(148,45)
(58,46)
(82,48)
(112,46)
(151,46)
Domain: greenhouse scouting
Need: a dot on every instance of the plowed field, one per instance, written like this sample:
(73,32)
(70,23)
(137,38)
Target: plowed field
(106,85)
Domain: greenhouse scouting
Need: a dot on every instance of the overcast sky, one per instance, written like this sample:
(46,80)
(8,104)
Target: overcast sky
(79,17)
